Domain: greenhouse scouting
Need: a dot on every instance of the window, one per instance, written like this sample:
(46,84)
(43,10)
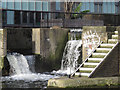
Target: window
(38,6)
(18,5)
(10,17)
(57,4)
(31,5)
(44,16)
(17,17)
(38,18)
(10,4)
(25,5)
(4,4)
(116,7)
(24,17)
(4,15)
(31,17)
(45,6)
(98,7)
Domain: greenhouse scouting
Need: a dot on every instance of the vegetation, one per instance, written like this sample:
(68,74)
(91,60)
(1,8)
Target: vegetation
(68,6)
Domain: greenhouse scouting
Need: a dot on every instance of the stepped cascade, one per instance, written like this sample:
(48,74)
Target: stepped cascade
(97,57)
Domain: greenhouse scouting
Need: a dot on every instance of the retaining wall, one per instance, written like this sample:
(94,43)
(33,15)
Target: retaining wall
(19,40)
(49,44)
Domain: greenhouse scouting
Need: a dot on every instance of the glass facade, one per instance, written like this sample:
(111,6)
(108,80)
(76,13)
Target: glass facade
(23,8)
(100,7)
(18,5)
(26,5)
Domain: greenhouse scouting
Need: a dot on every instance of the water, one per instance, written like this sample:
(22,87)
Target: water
(71,55)
(31,62)
(21,76)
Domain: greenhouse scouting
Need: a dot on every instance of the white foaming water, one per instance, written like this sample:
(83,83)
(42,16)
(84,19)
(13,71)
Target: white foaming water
(71,54)
(31,62)
(18,64)
(29,77)
(70,57)
(20,70)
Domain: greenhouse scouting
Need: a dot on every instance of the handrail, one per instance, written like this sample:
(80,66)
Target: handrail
(85,59)
(103,59)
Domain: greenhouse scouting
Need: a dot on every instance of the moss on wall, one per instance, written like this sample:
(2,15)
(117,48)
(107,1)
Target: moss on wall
(49,45)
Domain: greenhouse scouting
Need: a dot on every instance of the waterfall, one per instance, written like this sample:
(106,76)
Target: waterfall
(31,62)
(71,53)
(21,67)
(18,64)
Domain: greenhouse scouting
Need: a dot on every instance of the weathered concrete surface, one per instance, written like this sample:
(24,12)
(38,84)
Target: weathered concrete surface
(110,66)
(19,40)
(3,49)
(49,44)
(3,42)
(100,30)
(78,82)
(104,32)
(118,29)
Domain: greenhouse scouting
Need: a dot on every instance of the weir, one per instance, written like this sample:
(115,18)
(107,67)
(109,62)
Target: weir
(20,70)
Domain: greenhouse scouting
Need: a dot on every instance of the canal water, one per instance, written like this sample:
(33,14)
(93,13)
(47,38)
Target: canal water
(22,73)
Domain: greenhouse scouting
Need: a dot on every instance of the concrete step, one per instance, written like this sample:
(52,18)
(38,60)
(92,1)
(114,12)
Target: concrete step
(86,69)
(116,32)
(89,66)
(114,36)
(99,55)
(106,45)
(103,50)
(85,74)
(77,74)
(87,63)
(112,40)
(94,60)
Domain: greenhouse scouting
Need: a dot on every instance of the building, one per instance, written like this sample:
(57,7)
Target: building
(27,13)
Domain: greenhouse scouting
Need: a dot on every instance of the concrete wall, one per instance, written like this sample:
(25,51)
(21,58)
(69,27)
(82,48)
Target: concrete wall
(3,49)
(110,66)
(19,40)
(49,44)
(118,29)
(101,32)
